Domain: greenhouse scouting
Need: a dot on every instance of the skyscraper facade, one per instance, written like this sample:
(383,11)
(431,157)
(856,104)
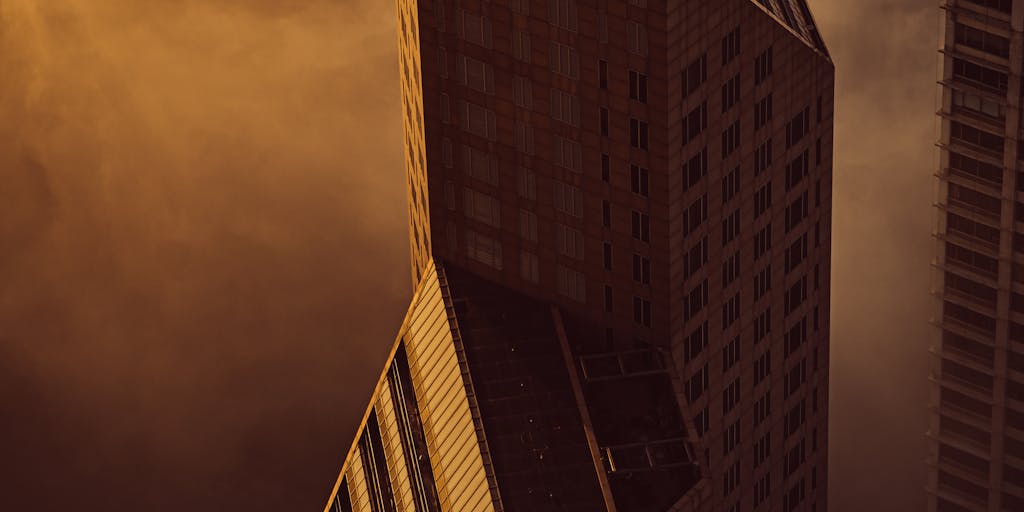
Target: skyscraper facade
(976,425)
(620,220)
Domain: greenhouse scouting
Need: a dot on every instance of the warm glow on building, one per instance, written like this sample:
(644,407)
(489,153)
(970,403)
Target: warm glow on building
(621,233)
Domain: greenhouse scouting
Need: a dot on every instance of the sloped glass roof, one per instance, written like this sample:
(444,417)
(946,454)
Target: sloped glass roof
(797,16)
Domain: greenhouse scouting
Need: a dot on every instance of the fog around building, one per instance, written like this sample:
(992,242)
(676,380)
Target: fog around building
(204,255)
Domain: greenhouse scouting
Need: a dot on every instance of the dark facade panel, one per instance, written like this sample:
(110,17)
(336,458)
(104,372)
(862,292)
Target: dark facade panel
(620,218)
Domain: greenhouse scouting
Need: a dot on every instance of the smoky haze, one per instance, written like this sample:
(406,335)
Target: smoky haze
(202,248)
(204,256)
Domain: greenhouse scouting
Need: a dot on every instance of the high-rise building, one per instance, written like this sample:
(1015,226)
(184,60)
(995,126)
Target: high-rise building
(976,422)
(620,226)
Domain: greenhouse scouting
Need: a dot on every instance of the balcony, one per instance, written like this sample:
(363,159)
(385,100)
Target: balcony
(961,207)
(963,357)
(961,414)
(965,240)
(963,298)
(980,154)
(954,496)
(961,51)
(955,328)
(992,17)
(974,447)
(973,475)
(969,147)
(981,57)
(963,386)
(962,83)
(959,477)
(958,326)
(972,213)
(969,271)
(991,123)
(967,178)
(969,198)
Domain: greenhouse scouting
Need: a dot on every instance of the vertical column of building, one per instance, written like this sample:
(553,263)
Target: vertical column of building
(390,429)
(413,129)
(563,72)
(977,428)
(487,148)
(797,84)
(632,149)
(751,235)
(703,67)
(544,159)
(1008,495)
(609,240)
(813,344)
(693,65)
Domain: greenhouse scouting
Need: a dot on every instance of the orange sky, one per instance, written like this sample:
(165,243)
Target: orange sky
(203,253)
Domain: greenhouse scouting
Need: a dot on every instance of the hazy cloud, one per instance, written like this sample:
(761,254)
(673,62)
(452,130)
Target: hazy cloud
(199,199)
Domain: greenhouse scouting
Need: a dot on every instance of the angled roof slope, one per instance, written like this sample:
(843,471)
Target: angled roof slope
(797,16)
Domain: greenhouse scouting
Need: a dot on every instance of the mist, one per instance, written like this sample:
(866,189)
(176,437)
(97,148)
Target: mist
(204,256)
(202,251)
(885,130)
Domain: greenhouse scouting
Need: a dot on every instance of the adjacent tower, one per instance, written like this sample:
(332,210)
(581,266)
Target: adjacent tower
(620,220)
(976,426)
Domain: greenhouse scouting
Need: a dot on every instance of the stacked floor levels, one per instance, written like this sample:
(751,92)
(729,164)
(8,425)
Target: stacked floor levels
(651,180)
(976,430)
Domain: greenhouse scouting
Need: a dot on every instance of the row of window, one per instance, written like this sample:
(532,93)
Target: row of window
(695,386)
(697,340)
(730,311)
(568,199)
(569,242)
(730,269)
(975,169)
(731,479)
(762,282)
(981,40)
(486,208)
(1004,6)
(982,76)
(979,105)
(796,212)
(571,283)
(972,260)
(477,29)
(974,201)
(795,379)
(564,105)
(976,137)
(763,199)
(568,154)
(762,367)
(795,496)
(563,60)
